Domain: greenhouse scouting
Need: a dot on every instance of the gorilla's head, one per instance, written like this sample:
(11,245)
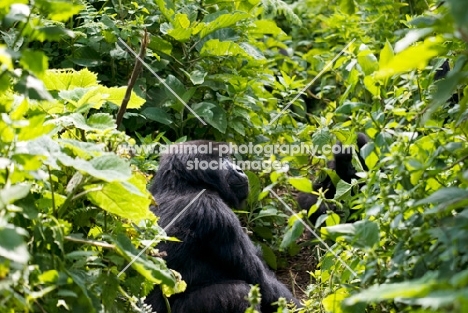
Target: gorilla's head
(343,159)
(201,164)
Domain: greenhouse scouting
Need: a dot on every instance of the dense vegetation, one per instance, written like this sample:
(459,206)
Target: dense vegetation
(74,209)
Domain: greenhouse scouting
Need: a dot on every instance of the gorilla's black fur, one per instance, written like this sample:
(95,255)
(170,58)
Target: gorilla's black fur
(342,164)
(215,257)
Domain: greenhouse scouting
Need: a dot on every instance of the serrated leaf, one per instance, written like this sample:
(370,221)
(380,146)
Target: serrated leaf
(111,167)
(69,79)
(321,137)
(115,198)
(101,121)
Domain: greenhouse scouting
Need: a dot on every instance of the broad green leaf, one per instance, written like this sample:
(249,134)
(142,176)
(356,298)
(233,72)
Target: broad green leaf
(342,188)
(35,61)
(101,121)
(218,120)
(409,289)
(181,20)
(223,21)
(372,86)
(69,79)
(252,51)
(111,167)
(204,109)
(362,234)
(292,234)
(255,187)
(447,199)
(367,60)
(166,9)
(269,256)
(321,137)
(158,44)
(332,302)
(180,34)
(386,54)
(157,115)
(332,219)
(222,48)
(35,129)
(96,122)
(301,183)
(98,95)
(413,58)
(197,77)
(265,27)
(117,199)
(117,94)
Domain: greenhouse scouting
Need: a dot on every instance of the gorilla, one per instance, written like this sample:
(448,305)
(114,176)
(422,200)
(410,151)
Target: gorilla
(342,165)
(215,256)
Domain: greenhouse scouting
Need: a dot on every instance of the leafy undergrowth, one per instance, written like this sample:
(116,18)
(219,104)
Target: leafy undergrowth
(74,209)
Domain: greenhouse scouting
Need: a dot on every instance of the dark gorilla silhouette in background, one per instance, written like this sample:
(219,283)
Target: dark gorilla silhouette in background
(215,257)
(342,165)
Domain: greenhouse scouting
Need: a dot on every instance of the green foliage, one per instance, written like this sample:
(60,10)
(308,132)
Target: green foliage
(74,209)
